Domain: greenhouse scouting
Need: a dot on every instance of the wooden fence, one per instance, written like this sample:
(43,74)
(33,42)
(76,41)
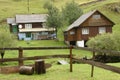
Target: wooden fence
(21,58)
(98,64)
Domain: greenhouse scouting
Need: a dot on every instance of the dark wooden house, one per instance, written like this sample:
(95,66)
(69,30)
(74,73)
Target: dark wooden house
(86,26)
(30,27)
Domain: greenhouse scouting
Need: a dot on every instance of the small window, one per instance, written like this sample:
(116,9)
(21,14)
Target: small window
(102,30)
(44,33)
(28,35)
(85,30)
(96,16)
(28,26)
(72,32)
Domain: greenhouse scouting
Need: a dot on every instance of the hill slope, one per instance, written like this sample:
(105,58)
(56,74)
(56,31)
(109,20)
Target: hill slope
(8,8)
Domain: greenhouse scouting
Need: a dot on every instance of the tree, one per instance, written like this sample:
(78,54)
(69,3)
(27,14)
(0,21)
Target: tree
(6,40)
(105,41)
(71,12)
(54,18)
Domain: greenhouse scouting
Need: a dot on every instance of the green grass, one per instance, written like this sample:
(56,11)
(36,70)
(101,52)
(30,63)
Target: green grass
(9,8)
(61,72)
(58,72)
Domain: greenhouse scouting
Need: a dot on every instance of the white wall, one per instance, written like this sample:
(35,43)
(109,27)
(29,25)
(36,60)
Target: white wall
(80,43)
(22,36)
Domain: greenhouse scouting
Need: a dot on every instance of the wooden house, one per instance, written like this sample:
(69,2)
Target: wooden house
(30,27)
(86,26)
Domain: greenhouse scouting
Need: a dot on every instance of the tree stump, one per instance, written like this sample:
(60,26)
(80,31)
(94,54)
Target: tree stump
(40,67)
(26,70)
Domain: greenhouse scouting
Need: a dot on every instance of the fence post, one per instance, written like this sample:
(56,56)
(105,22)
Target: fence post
(71,47)
(92,67)
(20,56)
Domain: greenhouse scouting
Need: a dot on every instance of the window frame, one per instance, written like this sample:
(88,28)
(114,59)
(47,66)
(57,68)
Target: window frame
(96,16)
(85,31)
(102,30)
(72,32)
(28,26)
(28,35)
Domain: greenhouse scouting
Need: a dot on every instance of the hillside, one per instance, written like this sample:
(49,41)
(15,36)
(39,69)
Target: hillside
(8,8)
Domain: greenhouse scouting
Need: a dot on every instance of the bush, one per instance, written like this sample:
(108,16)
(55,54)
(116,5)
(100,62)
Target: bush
(105,41)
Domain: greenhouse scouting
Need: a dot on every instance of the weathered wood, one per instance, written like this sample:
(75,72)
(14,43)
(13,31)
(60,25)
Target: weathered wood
(15,69)
(44,48)
(34,48)
(40,66)
(101,65)
(117,53)
(71,59)
(26,70)
(35,58)
(20,56)
(92,67)
(92,70)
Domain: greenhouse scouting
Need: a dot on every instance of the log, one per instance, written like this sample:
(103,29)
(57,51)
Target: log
(26,70)
(40,67)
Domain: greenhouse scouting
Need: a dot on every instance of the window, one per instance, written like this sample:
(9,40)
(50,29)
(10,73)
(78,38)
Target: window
(28,26)
(28,35)
(72,32)
(85,30)
(96,16)
(102,30)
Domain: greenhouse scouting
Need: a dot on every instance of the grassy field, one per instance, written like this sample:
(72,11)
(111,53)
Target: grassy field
(58,72)
(9,8)
(61,72)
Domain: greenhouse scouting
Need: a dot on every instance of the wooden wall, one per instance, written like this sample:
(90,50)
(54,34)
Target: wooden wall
(93,24)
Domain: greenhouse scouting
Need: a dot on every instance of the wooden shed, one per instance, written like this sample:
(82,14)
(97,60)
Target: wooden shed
(86,26)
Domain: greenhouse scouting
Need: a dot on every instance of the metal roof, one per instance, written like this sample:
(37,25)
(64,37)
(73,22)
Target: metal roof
(11,21)
(31,18)
(80,20)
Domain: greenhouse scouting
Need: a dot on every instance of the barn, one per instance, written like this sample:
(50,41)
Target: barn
(30,27)
(86,26)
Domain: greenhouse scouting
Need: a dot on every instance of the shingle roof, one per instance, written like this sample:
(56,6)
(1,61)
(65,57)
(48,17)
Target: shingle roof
(31,18)
(80,20)
(11,20)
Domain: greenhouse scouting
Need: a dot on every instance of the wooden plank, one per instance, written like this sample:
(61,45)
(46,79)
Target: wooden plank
(117,53)
(101,65)
(20,56)
(71,67)
(34,58)
(34,48)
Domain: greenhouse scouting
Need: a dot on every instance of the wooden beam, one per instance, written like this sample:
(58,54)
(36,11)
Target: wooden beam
(34,58)
(71,58)
(34,48)
(100,65)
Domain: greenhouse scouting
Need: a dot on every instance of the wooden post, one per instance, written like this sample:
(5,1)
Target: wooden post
(2,55)
(20,56)
(40,66)
(92,67)
(71,58)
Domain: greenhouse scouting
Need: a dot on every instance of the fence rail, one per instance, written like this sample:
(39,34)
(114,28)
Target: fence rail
(21,58)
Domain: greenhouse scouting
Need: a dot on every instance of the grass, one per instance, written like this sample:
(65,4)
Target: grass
(59,72)
(9,8)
